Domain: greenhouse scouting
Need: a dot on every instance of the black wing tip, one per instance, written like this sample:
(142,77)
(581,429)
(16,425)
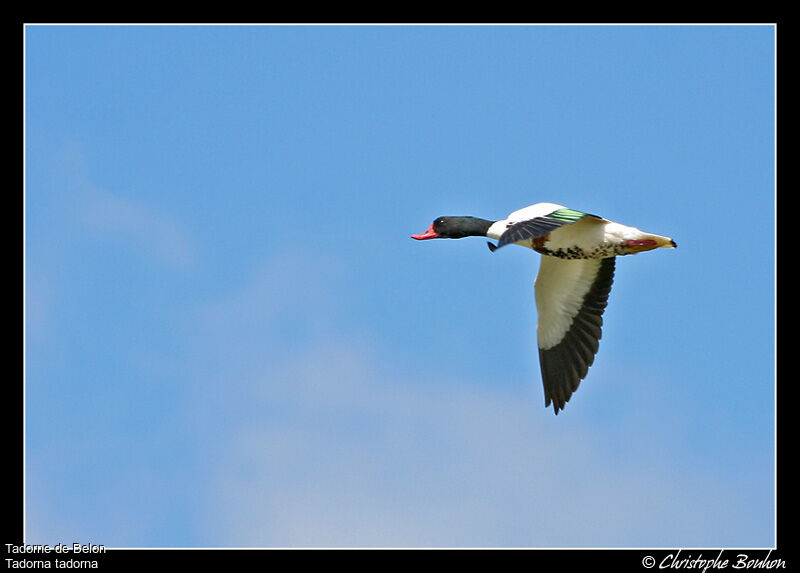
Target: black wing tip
(559,401)
(558,405)
(563,368)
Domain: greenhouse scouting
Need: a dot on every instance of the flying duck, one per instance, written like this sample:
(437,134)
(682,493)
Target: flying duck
(578,256)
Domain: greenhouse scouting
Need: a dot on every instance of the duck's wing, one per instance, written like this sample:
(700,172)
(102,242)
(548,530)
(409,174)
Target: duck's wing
(571,296)
(540,226)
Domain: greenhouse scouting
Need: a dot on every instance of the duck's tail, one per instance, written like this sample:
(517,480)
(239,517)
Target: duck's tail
(648,242)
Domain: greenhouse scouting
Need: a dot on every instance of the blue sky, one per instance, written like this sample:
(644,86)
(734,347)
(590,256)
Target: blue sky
(232,341)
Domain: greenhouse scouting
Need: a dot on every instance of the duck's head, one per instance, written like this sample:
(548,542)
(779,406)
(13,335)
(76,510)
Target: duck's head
(455,228)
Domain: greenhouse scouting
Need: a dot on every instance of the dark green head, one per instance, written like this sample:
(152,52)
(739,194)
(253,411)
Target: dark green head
(455,228)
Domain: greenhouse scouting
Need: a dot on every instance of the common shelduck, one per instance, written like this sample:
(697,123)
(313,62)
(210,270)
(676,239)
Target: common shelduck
(573,284)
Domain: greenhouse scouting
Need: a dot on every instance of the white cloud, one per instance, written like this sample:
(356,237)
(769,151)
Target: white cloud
(70,188)
(344,455)
(147,229)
